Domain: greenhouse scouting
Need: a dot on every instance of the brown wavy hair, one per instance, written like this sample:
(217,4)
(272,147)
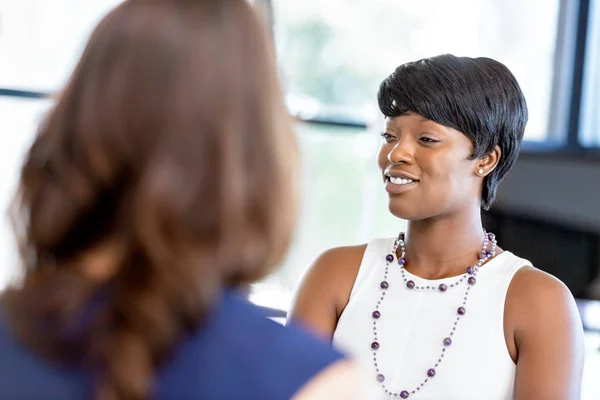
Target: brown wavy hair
(164,173)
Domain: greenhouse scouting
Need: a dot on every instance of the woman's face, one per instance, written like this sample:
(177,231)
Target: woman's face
(426,168)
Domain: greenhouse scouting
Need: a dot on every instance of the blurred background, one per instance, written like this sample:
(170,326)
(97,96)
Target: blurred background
(332,56)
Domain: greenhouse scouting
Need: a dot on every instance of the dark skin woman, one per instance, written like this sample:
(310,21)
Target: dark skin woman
(452,132)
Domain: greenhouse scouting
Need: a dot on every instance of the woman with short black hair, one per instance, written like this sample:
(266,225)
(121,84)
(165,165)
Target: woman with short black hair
(440,311)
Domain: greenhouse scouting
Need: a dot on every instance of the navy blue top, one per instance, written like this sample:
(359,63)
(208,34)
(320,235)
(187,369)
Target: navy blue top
(237,354)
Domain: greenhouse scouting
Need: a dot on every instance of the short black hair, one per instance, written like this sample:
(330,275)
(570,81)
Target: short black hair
(477,96)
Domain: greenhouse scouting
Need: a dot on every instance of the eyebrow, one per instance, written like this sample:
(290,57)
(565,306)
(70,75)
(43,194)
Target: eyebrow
(423,119)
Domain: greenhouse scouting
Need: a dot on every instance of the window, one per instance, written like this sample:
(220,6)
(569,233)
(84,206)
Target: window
(590,116)
(41,40)
(334,54)
(18,125)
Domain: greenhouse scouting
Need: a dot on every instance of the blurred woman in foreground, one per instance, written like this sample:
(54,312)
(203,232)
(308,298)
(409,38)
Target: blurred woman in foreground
(161,182)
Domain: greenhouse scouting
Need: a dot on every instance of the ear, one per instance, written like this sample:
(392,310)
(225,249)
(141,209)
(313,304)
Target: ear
(488,163)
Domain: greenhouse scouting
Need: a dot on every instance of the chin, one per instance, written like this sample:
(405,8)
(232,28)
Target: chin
(408,212)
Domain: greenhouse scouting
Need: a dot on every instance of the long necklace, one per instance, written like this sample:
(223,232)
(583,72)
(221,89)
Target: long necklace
(469,277)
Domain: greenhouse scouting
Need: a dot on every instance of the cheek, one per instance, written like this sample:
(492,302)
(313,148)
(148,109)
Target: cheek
(460,179)
(440,168)
(382,154)
(449,176)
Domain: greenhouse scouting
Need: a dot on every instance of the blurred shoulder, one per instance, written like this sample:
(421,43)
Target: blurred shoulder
(247,325)
(341,380)
(260,348)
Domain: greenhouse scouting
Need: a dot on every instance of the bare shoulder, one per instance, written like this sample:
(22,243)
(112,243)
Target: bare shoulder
(325,289)
(547,335)
(536,298)
(335,269)
(536,287)
(339,261)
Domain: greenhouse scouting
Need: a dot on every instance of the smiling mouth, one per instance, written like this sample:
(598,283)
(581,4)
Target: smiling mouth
(399,181)
(396,185)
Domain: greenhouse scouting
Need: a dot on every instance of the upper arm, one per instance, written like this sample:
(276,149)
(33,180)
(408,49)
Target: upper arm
(325,289)
(549,337)
(341,380)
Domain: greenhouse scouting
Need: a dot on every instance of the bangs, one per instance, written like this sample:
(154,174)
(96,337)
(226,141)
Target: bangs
(420,88)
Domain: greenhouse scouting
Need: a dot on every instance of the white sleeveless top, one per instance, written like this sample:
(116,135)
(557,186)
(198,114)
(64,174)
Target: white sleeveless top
(413,325)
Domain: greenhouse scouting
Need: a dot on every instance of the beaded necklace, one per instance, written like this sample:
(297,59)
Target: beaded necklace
(469,276)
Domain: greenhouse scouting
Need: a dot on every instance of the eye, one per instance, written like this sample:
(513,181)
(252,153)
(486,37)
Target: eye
(386,136)
(428,140)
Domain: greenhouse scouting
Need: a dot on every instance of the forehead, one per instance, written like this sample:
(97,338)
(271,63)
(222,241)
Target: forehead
(412,119)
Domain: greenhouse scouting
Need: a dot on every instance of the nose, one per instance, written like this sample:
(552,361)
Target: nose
(401,153)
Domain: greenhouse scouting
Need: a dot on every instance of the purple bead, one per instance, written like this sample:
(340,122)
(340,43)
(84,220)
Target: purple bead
(471,280)
(489,253)
(374,345)
(461,310)
(376,314)
(431,372)
(491,236)
(402,261)
(471,271)
(389,258)
(410,284)
(380,378)
(442,287)
(404,394)
(384,285)
(447,341)
(402,236)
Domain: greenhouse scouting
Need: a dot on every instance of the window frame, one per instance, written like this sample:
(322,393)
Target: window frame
(589,113)
(568,114)
(568,84)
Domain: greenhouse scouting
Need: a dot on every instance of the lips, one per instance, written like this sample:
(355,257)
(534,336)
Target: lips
(393,173)
(398,182)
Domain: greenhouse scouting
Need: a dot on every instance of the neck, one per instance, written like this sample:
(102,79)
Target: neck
(444,247)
